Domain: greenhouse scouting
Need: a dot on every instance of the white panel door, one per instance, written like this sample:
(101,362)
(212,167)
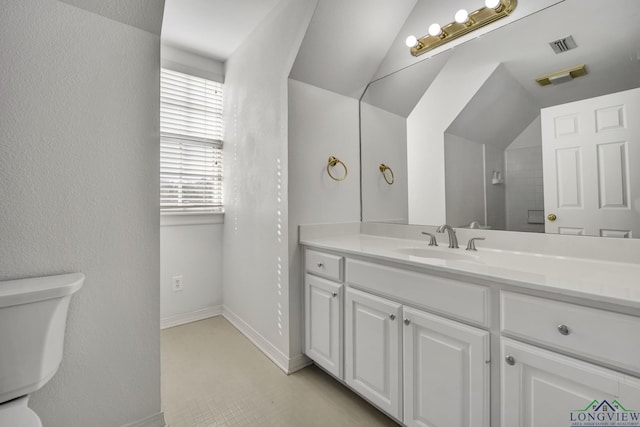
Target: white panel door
(541,388)
(446,372)
(373,350)
(591,161)
(323,323)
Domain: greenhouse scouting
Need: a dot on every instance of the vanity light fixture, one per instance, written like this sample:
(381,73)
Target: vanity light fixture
(463,24)
(411,41)
(462,17)
(435,30)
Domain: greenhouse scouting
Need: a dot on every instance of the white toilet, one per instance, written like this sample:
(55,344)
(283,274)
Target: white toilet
(33,317)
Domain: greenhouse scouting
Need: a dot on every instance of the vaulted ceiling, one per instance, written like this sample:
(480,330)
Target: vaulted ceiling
(346,42)
(212,28)
(350,43)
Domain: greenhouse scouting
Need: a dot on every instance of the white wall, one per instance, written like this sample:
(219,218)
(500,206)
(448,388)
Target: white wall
(191,245)
(321,124)
(256,256)
(524,179)
(191,63)
(494,160)
(79,189)
(464,181)
(426,126)
(383,140)
(471,195)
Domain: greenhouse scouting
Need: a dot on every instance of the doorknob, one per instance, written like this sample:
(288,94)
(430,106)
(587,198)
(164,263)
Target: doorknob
(551,217)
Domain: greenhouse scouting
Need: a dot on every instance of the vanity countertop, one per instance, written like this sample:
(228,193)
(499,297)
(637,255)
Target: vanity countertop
(604,281)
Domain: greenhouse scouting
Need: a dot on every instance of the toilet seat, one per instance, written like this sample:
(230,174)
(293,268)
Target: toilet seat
(16,413)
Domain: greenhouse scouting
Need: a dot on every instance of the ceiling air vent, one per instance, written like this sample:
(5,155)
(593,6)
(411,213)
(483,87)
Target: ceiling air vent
(563,45)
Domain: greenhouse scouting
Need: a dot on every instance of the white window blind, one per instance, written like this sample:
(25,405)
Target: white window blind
(191,134)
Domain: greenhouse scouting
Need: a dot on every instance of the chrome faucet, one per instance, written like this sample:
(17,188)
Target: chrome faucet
(471,246)
(432,239)
(453,240)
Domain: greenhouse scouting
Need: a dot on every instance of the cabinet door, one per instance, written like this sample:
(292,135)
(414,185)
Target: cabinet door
(446,372)
(373,349)
(541,388)
(323,323)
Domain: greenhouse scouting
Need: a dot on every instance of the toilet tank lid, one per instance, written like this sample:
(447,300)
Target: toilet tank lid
(32,289)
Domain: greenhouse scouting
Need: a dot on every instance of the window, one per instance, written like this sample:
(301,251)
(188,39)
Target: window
(191,133)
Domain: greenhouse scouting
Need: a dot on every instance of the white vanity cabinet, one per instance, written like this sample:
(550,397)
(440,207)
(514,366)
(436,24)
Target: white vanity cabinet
(542,387)
(373,349)
(446,372)
(324,310)
(423,369)
(439,343)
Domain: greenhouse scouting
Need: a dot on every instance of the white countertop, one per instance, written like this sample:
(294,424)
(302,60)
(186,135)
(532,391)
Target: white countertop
(605,281)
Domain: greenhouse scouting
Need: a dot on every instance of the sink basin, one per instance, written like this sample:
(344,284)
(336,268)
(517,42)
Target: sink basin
(446,254)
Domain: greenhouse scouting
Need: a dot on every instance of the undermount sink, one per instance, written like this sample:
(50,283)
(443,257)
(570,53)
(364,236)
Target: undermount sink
(431,252)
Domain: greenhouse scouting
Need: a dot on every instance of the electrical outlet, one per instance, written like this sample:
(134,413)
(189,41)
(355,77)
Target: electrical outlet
(176,283)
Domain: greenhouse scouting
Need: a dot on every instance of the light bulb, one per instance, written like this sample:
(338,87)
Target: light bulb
(462,16)
(411,41)
(492,4)
(435,30)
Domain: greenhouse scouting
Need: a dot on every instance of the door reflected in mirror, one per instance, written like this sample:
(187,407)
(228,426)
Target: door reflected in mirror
(474,139)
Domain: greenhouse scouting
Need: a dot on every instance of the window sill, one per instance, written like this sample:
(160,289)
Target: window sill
(172,219)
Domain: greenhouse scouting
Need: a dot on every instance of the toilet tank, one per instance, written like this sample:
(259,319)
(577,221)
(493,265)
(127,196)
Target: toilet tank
(33,317)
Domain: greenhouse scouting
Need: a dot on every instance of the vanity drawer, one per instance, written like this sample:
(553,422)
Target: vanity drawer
(465,301)
(325,265)
(611,338)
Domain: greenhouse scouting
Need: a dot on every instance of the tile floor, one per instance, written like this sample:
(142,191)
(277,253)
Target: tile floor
(213,376)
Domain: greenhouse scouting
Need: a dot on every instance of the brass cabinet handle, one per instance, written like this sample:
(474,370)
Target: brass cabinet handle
(552,217)
(510,360)
(563,329)
(335,294)
(407,321)
(392,316)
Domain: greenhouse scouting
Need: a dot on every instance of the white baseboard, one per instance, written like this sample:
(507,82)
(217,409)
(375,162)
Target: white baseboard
(155,420)
(298,362)
(193,316)
(288,365)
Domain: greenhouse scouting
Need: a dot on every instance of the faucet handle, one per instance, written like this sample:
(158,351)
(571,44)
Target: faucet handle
(471,246)
(432,239)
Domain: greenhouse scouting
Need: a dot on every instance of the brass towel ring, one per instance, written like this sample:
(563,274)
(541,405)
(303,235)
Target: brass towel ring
(384,168)
(333,161)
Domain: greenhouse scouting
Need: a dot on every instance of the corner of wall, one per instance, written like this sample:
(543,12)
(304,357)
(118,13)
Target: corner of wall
(256,257)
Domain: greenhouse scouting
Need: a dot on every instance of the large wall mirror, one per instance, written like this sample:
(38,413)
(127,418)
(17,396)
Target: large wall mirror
(474,141)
